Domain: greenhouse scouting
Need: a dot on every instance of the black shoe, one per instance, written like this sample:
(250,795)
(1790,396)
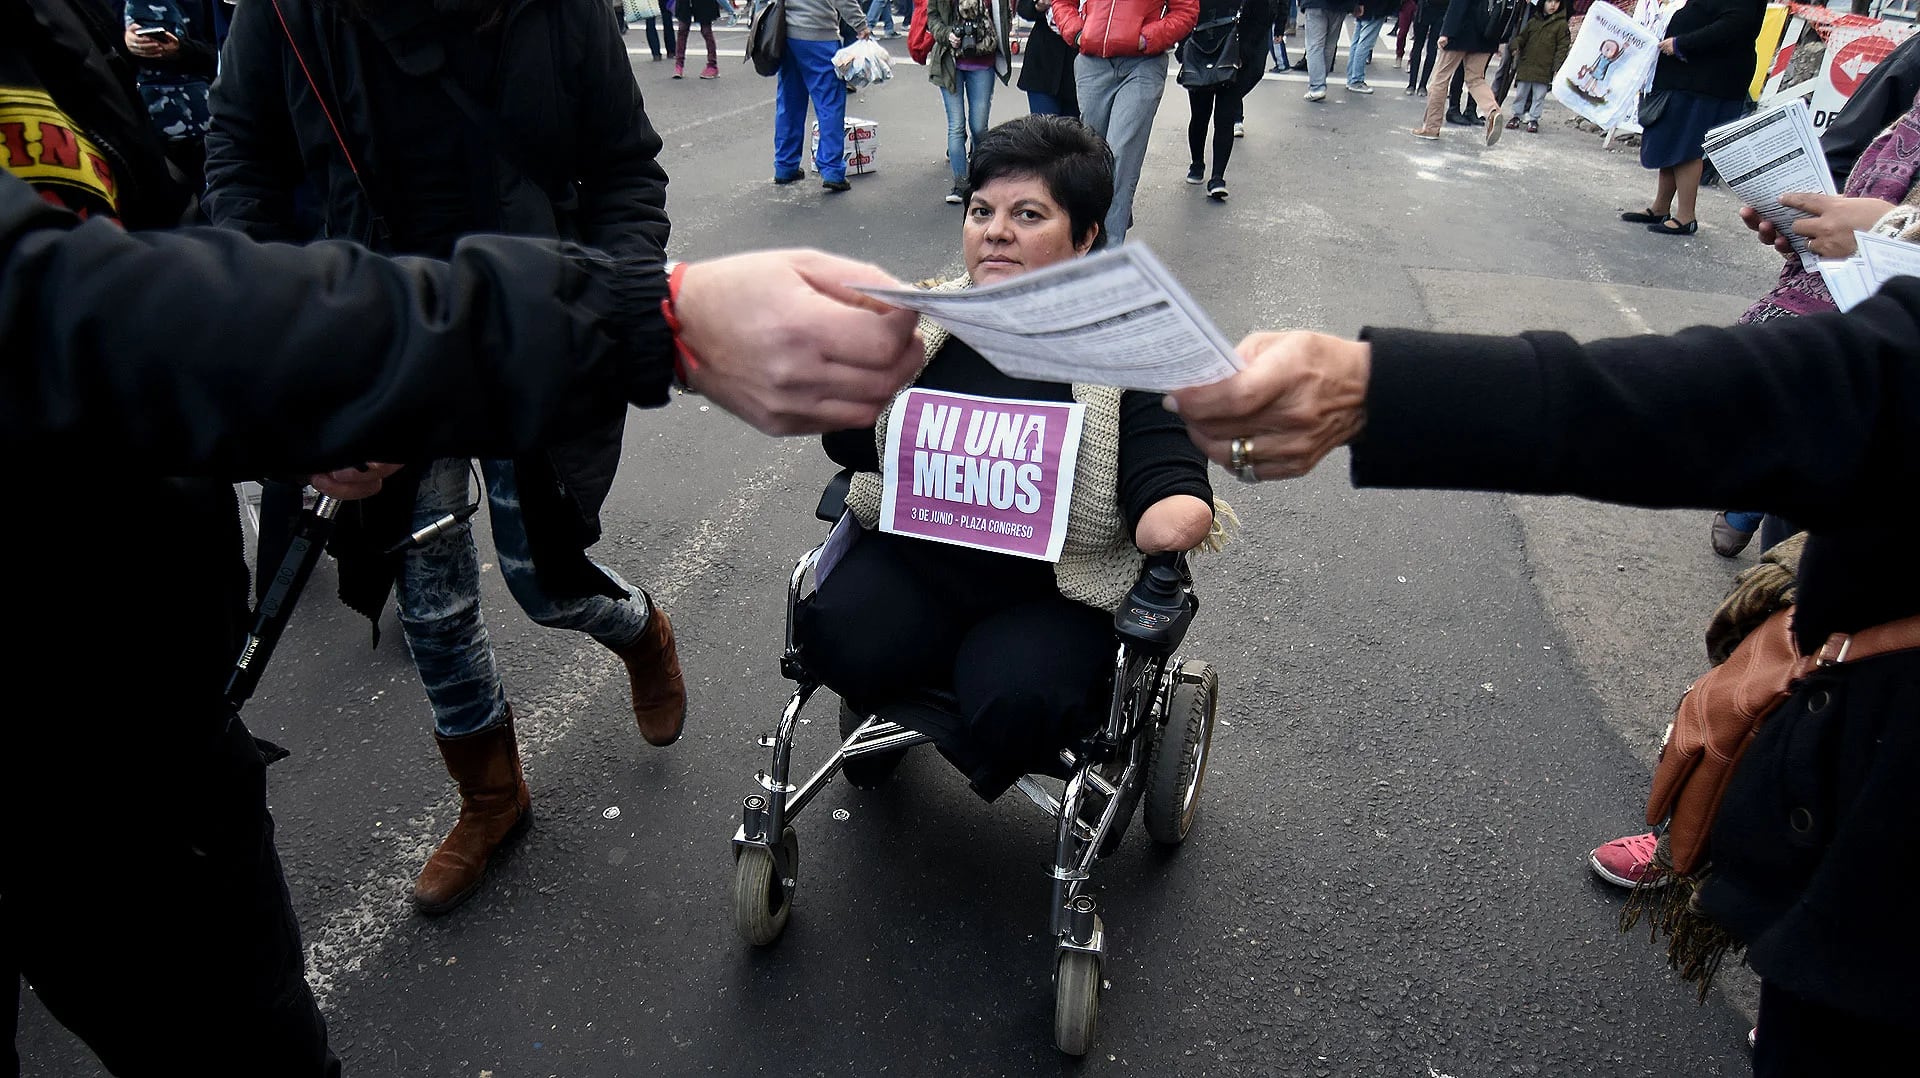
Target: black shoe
(783,180)
(836,185)
(956,196)
(1672,227)
(1195,173)
(1217,189)
(1458,118)
(1299,65)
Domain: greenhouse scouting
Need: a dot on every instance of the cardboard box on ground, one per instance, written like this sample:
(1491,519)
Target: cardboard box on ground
(860,142)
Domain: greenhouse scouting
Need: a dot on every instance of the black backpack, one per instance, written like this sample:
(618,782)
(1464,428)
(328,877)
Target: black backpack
(1210,56)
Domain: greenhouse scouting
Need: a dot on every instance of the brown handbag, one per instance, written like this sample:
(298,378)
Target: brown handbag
(1720,714)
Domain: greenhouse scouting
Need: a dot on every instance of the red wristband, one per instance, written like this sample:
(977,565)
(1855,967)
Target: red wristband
(684,364)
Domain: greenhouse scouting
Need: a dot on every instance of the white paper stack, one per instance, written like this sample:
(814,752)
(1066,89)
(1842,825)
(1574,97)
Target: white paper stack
(1877,260)
(1768,154)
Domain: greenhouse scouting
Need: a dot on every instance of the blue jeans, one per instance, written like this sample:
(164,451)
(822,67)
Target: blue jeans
(880,9)
(967,106)
(439,594)
(1323,36)
(1043,104)
(1118,98)
(806,70)
(1365,33)
(1744,522)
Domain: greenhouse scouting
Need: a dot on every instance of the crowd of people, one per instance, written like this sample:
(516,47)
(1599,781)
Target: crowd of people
(481,288)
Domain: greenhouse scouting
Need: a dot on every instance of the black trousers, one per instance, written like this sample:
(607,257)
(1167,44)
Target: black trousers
(147,909)
(1225,107)
(1426,46)
(1028,665)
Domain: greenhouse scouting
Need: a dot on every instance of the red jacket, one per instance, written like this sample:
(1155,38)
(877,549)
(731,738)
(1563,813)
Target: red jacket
(1114,27)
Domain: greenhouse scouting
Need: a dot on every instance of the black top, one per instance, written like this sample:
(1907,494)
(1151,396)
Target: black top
(1713,48)
(1834,443)
(1816,418)
(1157,459)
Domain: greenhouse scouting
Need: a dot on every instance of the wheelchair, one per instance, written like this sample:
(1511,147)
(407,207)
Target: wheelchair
(1151,752)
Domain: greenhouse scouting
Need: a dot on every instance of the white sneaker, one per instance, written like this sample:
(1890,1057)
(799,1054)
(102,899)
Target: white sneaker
(1360,87)
(1316,95)
(1240,130)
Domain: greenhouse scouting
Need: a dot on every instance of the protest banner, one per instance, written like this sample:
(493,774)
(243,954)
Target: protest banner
(1607,68)
(1824,56)
(981,472)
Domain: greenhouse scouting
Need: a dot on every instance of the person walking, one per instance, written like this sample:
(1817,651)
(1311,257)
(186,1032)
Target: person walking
(1323,19)
(1699,83)
(1369,16)
(1120,75)
(1539,49)
(882,11)
(1046,69)
(649,13)
(1222,105)
(971,48)
(806,71)
(1426,44)
(1468,39)
(702,12)
(445,153)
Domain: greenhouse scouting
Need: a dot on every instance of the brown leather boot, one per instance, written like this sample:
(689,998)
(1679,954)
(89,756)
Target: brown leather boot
(494,806)
(653,674)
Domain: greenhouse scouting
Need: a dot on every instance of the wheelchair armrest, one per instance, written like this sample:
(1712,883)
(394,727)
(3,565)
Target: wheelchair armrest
(833,500)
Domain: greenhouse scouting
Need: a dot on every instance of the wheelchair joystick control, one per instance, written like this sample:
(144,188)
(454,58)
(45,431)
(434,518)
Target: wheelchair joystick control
(1156,609)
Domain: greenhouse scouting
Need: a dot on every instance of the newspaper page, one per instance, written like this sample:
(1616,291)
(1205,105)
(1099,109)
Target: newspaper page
(1116,318)
(1886,258)
(1768,154)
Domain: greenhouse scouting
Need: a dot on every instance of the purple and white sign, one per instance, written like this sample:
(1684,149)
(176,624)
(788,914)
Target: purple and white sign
(981,472)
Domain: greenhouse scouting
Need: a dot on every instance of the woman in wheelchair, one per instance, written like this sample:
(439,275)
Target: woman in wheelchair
(1023,645)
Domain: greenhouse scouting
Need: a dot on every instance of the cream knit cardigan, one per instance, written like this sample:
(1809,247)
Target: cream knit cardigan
(1098,562)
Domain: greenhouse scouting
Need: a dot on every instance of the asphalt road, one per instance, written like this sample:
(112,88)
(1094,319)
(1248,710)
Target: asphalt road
(1433,704)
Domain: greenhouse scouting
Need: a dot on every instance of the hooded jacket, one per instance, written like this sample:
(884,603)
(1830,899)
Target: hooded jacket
(1541,47)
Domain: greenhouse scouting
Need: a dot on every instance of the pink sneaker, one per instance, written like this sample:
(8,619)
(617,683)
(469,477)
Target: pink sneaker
(1624,861)
(711,71)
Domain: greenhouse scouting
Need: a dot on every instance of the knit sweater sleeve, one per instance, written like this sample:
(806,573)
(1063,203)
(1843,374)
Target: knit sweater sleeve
(1157,459)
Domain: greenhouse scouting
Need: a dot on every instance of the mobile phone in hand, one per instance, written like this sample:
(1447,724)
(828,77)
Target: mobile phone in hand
(153,31)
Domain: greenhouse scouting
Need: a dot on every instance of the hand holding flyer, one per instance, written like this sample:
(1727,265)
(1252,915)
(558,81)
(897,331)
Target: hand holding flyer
(1116,318)
(1769,154)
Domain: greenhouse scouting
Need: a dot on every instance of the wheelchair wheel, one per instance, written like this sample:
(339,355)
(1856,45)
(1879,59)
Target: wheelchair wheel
(1076,1001)
(761,902)
(1178,764)
(866,772)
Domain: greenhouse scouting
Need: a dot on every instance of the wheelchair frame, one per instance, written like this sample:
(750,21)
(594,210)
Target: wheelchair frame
(1110,775)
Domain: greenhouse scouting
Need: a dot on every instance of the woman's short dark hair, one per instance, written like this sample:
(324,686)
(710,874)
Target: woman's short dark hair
(1065,154)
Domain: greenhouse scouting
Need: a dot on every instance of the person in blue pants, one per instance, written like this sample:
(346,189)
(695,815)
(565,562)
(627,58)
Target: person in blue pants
(1368,18)
(806,71)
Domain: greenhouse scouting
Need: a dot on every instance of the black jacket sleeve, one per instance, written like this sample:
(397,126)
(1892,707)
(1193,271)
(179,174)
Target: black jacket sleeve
(623,189)
(253,154)
(1157,459)
(852,449)
(1454,23)
(200,352)
(1816,418)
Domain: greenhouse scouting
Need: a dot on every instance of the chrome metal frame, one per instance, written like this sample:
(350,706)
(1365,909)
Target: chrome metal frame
(1108,772)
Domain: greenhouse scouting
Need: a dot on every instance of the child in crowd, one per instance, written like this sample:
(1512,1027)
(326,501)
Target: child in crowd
(1539,49)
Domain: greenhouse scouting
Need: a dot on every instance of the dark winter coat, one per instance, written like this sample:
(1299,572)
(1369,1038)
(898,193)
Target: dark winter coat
(1541,47)
(1818,419)
(1047,63)
(1464,28)
(566,142)
(1713,46)
(131,355)
(1256,20)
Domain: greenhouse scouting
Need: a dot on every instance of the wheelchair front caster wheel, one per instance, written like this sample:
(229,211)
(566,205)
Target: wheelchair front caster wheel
(1076,1001)
(761,899)
(1178,763)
